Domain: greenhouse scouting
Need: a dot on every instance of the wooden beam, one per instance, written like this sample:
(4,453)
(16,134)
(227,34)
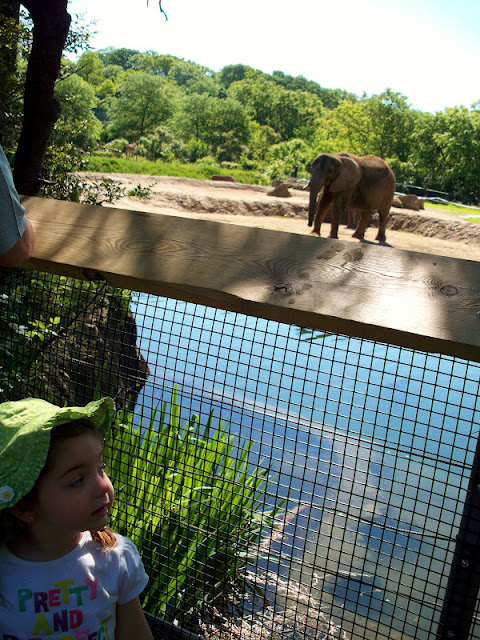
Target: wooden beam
(410,299)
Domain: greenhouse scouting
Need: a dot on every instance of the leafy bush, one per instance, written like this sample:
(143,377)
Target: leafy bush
(193,509)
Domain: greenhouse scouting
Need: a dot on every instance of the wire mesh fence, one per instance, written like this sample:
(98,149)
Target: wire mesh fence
(279,482)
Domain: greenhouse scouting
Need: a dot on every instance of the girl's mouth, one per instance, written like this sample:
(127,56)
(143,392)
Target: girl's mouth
(102,511)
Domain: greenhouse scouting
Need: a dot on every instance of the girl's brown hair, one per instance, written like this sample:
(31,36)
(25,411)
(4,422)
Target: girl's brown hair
(11,526)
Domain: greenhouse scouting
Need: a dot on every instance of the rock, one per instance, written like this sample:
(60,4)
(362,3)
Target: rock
(397,202)
(280,191)
(410,201)
(224,178)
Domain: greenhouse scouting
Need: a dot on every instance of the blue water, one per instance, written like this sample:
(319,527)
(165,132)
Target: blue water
(370,443)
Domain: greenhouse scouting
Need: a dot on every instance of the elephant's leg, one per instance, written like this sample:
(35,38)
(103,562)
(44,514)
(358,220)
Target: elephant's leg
(382,226)
(351,218)
(338,212)
(362,225)
(322,208)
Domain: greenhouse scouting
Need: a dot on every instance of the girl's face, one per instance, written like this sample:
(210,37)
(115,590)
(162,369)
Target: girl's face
(75,494)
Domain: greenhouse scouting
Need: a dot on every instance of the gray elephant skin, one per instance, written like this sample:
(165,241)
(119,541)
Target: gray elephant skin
(365,184)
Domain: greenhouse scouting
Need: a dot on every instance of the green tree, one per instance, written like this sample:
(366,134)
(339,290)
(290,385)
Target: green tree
(123,57)
(194,116)
(295,113)
(262,137)
(143,103)
(78,100)
(233,73)
(185,74)
(230,129)
(392,123)
(330,98)
(447,148)
(33,51)
(283,158)
(346,128)
(259,97)
(158,144)
(221,124)
(91,68)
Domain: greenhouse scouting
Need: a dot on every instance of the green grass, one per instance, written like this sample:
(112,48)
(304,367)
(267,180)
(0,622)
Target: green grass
(469,215)
(115,164)
(194,508)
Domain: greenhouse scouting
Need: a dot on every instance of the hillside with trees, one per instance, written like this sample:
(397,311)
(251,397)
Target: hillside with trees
(175,110)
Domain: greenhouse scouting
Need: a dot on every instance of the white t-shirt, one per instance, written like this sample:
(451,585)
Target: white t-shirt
(12,215)
(71,598)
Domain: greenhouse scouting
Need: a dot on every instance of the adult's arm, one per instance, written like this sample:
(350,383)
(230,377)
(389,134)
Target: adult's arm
(16,232)
(21,250)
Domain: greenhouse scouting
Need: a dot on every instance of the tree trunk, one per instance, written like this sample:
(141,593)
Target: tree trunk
(41,109)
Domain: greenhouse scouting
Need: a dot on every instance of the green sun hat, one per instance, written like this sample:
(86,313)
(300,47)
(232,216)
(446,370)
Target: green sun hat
(25,427)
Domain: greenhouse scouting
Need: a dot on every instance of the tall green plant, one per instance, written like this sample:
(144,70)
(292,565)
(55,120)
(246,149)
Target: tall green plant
(193,508)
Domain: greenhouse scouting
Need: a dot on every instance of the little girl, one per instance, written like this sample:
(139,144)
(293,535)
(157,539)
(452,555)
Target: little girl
(62,574)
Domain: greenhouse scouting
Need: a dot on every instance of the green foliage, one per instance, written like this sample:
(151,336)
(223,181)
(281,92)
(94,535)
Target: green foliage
(36,309)
(448,148)
(200,171)
(178,111)
(194,508)
(157,145)
(140,192)
(77,123)
(283,158)
(15,43)
(91,68)
(22,329)
(142,102)
(122,57)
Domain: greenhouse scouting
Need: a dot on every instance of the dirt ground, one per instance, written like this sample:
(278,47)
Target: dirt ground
(427,231)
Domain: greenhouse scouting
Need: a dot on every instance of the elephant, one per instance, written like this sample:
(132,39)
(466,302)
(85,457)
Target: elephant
(365,184)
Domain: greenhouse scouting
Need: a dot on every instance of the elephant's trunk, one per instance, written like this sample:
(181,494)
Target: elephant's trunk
(315,187)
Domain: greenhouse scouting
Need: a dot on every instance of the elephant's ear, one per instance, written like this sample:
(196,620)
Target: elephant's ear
(348,175)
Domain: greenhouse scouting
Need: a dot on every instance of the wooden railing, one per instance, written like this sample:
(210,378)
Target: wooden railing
(410,299)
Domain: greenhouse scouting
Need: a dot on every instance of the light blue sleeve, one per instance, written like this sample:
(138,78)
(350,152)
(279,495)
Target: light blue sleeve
(13,221)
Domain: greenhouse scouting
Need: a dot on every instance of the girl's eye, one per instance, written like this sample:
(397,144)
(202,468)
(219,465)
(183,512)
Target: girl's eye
(103,467)
(77,482)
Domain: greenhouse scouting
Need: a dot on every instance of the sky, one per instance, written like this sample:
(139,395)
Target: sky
(427,50)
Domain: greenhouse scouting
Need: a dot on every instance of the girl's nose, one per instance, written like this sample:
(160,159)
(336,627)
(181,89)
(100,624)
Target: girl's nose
(103,484)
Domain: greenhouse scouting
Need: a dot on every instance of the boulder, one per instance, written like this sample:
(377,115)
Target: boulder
(280,191)
(410,201)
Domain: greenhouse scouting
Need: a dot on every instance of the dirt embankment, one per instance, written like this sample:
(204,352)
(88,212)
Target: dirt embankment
(427,231)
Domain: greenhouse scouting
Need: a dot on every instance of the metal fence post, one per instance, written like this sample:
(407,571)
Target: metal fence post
(464,580)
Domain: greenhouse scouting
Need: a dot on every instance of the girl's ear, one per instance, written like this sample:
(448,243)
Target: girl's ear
(24,513)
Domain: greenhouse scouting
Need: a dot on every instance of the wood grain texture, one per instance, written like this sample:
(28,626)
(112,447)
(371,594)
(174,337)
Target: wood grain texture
(405,298)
